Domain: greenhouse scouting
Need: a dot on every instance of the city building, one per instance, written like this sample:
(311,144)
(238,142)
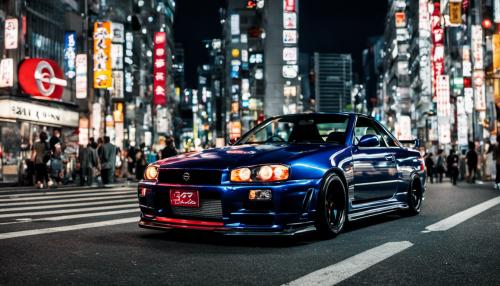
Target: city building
(333,82)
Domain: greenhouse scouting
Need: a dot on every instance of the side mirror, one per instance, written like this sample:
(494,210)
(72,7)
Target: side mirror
(233,140)
(369,141)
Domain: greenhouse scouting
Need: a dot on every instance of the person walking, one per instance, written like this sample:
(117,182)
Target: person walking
(440,169)
(496,158)
(55,141)
(87,157)
(41,155)
(471,158)
(140,162)
(429,166)
(452,166)
(169,150)
(108,160)
(462,166)
(57,166)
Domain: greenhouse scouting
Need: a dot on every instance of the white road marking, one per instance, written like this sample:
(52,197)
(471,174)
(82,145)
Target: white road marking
(15,199)
(60,192)
(462,216)
(67,228)
(67,217)
(345,269)
(66,205)
(48,202)
(28,214)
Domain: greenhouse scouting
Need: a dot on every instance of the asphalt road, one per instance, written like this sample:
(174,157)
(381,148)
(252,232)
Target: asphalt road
(95,240)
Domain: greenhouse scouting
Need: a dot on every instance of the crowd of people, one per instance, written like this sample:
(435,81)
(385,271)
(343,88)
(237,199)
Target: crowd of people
(468,165)
(99,162)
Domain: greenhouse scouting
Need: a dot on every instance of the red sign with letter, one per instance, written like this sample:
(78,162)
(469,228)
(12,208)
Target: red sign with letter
(42,78)
(160,69)
(183,198)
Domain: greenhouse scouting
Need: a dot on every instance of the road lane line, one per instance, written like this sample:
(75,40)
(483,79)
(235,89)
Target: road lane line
(14,199)
(66,205)
(67,228)
(28,214)
(462,216)
(48,202)
(345,269)
(59,192)
(68,217)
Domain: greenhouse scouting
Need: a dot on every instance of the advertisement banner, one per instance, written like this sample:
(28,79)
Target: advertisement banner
(117,56)
(290,37)
(81,76)
(117,84)
(289,5)
(496,52)
(102,55)
(477,46)
(469,100)
(443,96)
(7,73)
(129,62)
(455,13)
(462,129)
(290,21)
(11,34)
(69,54)
(290,54)
(479,90)
(159,68)
(437,56)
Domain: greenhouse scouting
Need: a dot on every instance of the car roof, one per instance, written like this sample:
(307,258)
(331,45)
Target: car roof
(312,114)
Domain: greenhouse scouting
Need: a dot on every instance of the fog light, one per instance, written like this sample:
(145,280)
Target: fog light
(260,195)
(143,192)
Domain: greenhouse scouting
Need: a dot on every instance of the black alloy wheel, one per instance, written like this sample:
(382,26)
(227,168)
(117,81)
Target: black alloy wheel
(332,207)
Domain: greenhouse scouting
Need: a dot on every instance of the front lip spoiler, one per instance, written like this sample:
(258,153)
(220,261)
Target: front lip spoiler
(164,223)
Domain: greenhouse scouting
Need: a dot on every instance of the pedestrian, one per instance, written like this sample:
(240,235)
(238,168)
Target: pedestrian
(452,166)
(429,166)
(462,166)
(169,150)
(496,157)
(57,166)
(108,161)
(131,159)
(141,163)
(41,155)
(87,157)
(440,169)
(55,140)
(471,158)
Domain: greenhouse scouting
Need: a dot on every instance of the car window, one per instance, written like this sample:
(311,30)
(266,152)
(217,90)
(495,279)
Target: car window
(390,140)
(297,129)
(365,126)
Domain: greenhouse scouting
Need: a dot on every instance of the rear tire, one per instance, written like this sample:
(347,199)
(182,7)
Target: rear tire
(332,207)
(414,197)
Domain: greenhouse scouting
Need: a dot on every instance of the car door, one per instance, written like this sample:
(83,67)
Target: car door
(375,172)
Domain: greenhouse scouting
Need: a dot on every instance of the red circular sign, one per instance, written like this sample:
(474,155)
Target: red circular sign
(42,78)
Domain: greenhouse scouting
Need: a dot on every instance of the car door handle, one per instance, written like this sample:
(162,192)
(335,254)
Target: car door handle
(389,157)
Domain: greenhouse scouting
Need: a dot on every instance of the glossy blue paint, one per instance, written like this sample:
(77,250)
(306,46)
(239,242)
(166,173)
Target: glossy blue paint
(376,180)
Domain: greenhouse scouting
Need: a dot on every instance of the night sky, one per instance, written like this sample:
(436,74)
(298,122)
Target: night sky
(325,26)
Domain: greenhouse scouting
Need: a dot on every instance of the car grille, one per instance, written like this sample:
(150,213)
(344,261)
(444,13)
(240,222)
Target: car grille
(209,209)
(196,177)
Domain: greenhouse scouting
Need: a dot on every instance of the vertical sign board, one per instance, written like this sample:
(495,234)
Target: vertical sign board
(7,73)
(462,124)
(468,100)
(496,11)
(496,52)
(477,46)
(479,90)
(404,123)
(81,76)
(11,33)
(69,54)
(235,24)
(289,5)
(437,46)
(455,12)
(443,109)
(129,62)
(102,55)
(159,68)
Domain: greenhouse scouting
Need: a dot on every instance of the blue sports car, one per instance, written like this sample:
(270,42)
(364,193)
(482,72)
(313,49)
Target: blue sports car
(288,175)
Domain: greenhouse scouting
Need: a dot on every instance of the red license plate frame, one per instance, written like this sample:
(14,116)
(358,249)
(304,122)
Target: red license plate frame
(184,198)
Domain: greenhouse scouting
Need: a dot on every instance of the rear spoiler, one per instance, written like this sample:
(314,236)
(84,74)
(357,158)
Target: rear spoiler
(414,142)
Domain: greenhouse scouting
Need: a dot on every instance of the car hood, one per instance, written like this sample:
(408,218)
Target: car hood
(241,155)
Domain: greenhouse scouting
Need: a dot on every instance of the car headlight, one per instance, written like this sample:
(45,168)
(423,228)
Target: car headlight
(265,173)
(151,173)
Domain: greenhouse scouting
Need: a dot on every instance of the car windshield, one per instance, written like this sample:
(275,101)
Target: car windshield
(297,129)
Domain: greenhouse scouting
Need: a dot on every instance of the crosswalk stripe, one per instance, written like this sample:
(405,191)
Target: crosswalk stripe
(462,216)
(76,216)
(66,205)
(48,202)
(29,214)
(66,228)
(44,193)
(63,196)
(345,269)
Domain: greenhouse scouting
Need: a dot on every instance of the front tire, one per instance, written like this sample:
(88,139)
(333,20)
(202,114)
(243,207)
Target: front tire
(332,207)
(414,197)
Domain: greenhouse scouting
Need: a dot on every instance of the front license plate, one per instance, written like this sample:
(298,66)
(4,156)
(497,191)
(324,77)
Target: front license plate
(183,198)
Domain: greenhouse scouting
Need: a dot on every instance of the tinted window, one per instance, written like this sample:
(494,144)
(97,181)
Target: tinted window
(388,138)
(365,126)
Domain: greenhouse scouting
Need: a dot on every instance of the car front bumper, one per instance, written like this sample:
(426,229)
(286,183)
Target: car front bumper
(226,208)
